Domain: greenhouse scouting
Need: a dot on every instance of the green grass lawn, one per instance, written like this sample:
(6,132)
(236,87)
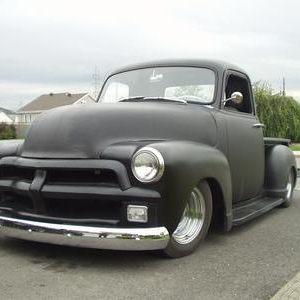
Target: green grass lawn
(295,147)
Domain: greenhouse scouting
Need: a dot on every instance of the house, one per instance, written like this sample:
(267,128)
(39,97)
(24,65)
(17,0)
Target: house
(27,113)
(7,116)
(4,118)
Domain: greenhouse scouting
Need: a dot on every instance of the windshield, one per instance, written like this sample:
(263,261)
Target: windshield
(183,83)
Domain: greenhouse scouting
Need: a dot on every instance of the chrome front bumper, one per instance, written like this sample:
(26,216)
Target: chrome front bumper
(86,236)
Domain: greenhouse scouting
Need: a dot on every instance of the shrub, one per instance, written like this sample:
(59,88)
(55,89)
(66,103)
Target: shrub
(7,131)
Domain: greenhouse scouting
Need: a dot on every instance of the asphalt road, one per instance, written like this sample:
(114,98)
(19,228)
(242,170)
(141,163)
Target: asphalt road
(250,262)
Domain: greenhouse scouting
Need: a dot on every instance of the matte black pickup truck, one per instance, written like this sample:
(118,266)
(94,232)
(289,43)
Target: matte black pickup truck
(172,148)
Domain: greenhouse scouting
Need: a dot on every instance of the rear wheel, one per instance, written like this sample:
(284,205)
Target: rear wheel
(289,190)
(194,222)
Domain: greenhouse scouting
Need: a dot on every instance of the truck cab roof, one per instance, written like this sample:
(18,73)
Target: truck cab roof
(217,65)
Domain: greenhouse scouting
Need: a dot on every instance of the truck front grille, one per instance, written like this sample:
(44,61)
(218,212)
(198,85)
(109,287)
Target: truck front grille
(82,177)
(13,173)
(74,189)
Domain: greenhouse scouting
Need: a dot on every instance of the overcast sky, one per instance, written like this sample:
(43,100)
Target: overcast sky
(54,46)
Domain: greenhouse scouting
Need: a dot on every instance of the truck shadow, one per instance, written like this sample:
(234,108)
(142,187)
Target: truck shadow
(63,259)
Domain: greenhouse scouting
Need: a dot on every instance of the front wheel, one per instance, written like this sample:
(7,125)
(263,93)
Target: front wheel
(194,223)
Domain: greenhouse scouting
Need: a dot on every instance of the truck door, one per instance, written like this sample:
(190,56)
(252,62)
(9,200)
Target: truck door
(245,139)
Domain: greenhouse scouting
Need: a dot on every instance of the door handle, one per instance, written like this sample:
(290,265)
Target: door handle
(258,125)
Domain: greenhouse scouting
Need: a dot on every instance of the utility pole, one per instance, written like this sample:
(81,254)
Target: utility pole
(96,77)
(283,87)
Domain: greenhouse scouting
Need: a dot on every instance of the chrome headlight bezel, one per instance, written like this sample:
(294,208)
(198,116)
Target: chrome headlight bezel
(158,160)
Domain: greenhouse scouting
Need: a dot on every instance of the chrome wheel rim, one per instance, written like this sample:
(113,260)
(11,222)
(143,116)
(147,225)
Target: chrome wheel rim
(289,187)
(192,219)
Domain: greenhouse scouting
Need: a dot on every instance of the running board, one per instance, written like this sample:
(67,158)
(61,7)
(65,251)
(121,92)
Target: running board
(250,210)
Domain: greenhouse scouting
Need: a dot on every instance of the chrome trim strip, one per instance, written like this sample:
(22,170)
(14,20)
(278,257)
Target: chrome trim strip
(86,236)
(258,125)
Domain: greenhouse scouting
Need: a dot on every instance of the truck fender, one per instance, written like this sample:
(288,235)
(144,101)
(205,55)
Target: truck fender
(280,160)
(186,164)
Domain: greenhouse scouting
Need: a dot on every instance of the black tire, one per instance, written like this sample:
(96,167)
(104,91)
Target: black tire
(194,224)
(289,190)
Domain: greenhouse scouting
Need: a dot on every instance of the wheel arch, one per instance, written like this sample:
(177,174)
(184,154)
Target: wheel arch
(280,160)
(186,165)
(220,219)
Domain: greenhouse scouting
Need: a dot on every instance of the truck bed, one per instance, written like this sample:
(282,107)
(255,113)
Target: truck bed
(268,141)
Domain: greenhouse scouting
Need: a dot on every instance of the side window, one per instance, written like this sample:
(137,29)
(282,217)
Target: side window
(236,83)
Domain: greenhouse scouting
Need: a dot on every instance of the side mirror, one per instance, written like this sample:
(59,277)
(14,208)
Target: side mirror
(236,98)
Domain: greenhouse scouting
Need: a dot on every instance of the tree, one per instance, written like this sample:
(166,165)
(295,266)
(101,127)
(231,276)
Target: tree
(279,113)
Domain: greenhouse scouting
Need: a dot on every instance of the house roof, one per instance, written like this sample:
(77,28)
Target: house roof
(48,101)
(4,118)
(6,111)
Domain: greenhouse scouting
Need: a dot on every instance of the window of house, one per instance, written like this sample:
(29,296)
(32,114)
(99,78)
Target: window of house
(27,118)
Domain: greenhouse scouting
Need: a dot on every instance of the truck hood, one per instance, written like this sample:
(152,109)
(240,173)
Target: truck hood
(84,131)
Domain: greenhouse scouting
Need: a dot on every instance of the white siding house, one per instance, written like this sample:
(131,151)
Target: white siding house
(4,118)
(26,114)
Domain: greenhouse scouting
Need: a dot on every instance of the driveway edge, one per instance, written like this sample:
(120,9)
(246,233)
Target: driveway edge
(289,291)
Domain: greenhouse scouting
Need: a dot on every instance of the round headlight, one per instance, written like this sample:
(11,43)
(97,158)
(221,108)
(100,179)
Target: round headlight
(147,165)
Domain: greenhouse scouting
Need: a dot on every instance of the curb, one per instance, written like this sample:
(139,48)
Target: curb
(291,291)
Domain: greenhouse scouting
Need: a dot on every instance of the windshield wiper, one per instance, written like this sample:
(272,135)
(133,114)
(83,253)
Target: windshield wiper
(142,98)
(166,99)
(128,99)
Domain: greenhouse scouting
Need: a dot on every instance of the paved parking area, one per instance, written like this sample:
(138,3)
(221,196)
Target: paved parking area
(252,261)
(291,290)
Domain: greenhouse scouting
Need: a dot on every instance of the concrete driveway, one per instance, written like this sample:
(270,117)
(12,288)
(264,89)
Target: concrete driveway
(250,262)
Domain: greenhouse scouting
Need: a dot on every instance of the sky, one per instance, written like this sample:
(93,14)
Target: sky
(55,46)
